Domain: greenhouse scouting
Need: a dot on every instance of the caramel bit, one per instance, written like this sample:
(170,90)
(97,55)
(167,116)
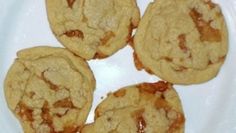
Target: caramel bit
(177,124)
(210,4)
(51,85)
(99,55)
(65,103)
(139,65)
(137,62)
(61,115)
(25,112)
(108,35)
(182,43)
(74,33)
(168,59)
(70,3)
(70,129)
(97,113)
(141,123)
(131,42)
(207,33)
(181,69)
(129,37)
(161,103)
(221,59)
(47,118)
(148,71)
(120,93)
(152,88)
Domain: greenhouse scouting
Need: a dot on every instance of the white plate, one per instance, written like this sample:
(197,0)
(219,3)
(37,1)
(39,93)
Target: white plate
(209,107)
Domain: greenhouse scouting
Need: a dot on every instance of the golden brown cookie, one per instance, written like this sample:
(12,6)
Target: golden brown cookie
(181,41)
(142,108)
(49,90)
(93,28)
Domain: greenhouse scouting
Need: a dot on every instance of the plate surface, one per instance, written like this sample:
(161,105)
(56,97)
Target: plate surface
(209,107)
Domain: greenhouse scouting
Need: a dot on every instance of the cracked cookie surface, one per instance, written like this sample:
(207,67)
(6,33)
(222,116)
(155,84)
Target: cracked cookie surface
(49,90)
(142,108)
(93,28)
(181,41)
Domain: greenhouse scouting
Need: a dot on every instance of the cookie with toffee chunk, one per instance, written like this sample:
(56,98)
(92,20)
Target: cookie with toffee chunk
(142,108)
(49,90)
(93,28)
(181,41)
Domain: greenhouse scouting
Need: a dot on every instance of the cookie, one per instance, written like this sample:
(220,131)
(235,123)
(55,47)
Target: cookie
(142,108)
(93,28)
(181,41)
(49,90)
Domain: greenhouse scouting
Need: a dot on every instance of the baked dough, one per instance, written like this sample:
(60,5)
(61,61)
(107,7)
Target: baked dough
(181,41)
(142,108)
(93,28)
(49,90)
